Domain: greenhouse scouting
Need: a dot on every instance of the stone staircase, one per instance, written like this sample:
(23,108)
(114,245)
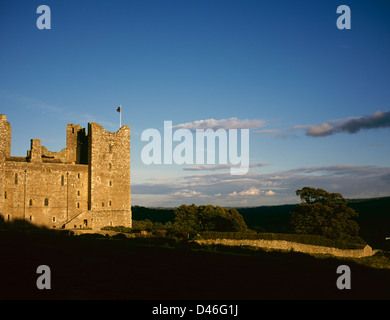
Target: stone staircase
(72,218)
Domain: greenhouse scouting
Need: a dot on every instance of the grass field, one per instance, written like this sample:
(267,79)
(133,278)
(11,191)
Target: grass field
(98,267)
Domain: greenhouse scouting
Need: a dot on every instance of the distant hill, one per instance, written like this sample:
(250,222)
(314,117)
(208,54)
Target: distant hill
(374,218)
(153,214)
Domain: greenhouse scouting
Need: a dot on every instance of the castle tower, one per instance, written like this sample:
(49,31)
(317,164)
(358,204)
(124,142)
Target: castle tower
(109,174)
(5,151)
(5,137)
(76,144)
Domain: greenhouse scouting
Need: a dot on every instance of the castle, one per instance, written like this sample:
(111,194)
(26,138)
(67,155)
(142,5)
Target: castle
(84,186)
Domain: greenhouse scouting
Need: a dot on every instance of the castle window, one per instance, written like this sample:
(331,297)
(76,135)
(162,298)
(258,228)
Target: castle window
(72,130)
(109,203)
(78,192)
(78,205)
(110,148)
(62,180)
(8,217)
(30,217)
(102,204)
(30,202)
(46,202)
(109,165)
(110,183)
(16,178)
(54,219)
(78,175)
(5,194)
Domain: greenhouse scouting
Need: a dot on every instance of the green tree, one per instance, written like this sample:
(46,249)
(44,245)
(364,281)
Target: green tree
(194,219)
(186,218)
(323,213)
(143,225)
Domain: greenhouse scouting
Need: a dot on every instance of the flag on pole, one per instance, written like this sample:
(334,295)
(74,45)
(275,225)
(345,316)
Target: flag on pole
(119,109)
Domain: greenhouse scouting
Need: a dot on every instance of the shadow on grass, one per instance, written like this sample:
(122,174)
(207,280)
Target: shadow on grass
(96,266)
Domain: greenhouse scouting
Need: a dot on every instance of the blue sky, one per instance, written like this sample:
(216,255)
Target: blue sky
(284,64)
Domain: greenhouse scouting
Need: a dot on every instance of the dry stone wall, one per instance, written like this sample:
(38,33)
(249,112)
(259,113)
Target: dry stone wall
(292,246)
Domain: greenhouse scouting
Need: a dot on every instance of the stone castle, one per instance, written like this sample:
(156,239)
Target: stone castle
(84,186)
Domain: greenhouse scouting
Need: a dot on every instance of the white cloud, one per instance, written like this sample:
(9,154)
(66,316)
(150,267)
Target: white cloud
(248,192)
(186,193)
(252,192)
(231,123)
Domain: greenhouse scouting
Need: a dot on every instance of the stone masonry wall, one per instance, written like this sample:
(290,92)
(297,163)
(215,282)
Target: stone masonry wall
(86,185)
(109,163)
(45,194)
(292,246)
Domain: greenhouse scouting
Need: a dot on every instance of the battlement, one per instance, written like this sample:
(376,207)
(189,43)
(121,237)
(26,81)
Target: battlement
(35,154)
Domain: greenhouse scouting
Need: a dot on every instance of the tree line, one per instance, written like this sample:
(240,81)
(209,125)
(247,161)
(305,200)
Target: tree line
(319,213)
(196,219)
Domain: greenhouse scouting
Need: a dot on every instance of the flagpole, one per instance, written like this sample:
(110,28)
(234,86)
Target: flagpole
(120,116)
